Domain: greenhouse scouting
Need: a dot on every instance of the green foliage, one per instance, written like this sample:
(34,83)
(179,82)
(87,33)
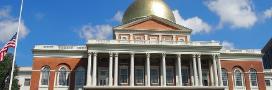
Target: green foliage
(5,68)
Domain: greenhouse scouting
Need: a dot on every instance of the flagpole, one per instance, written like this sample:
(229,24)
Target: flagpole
(15,49)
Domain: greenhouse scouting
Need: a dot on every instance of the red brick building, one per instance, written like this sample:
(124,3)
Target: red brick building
(149,51)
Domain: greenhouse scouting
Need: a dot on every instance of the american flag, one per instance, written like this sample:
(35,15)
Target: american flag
(4,50)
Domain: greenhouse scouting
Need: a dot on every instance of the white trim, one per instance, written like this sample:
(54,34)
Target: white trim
(158,71)
(250,83)
(173,76)
(41,75)
(224,70)
(46,54)
(135,80)
(119,75)
(56,82)
(242,77)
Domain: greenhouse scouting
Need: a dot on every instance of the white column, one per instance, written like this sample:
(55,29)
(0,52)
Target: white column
(147,69)
(146,37)
(219,71)
(89,76)
(211,72)
(174,38)
(191,73)
(116,70)
(131,37)
(163,70)
(94,68)
(195,71)
(215,71)
(110,69)
(132,69)
(178,71)
(160,38)
(199,70)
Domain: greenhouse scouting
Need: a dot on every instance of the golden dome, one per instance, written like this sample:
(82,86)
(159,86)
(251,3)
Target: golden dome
(143,8)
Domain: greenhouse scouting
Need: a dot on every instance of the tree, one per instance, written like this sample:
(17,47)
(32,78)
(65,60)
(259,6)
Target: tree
(5,71)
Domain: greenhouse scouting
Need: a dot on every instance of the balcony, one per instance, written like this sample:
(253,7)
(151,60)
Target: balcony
(148,42)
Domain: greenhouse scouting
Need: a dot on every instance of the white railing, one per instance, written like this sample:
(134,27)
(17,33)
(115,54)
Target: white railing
(148,42)
(253,51)
(56,47)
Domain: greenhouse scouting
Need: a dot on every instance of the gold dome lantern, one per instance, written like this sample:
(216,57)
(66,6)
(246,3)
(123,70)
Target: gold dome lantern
(143,8)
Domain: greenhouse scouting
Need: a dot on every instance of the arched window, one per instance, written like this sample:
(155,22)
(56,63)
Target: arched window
(253,77)
(63,76)
(45,72)
(80,76)
(238,77)
(225,77)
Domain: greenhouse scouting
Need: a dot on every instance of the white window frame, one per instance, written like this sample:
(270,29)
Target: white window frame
(158,79)
(143,80)
(268,79)
(153,38)
(227,81)
(207,72)
(67,77)
(141,38)
(242,77)
(41,75)
(185,75)
(173,76)
(251,77)
(119,80)
(25,81)
(80,69)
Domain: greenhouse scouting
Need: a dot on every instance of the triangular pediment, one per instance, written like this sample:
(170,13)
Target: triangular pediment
(152,23)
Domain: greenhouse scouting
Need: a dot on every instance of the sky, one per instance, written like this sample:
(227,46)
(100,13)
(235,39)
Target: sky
(237,24)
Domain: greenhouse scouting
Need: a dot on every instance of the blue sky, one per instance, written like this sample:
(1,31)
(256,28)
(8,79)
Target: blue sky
(237,24)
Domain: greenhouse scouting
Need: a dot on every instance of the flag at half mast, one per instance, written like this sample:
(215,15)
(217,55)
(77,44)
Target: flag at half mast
(10,43)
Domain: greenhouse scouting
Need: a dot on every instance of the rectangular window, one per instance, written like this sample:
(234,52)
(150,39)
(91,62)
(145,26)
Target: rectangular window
(153,38)
(123,75)
(27,82)
(167,38)
(138,38)
(267,82)
(170,76)
(154,72)
(139,75)
(124,37)
(185,76)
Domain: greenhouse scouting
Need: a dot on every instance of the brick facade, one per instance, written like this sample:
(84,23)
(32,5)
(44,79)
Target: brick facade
(54,64)
(245,66)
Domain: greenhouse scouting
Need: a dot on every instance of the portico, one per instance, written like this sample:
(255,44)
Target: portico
(151,68)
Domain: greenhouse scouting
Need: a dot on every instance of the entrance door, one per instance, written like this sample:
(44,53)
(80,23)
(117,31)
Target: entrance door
(205,77)
(103,76)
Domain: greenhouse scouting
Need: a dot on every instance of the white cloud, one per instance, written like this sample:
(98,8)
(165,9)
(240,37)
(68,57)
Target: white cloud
(268,13)
(227,45)
(237,13)
(194,23)
(9,25)
(95,32)
(118,16)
